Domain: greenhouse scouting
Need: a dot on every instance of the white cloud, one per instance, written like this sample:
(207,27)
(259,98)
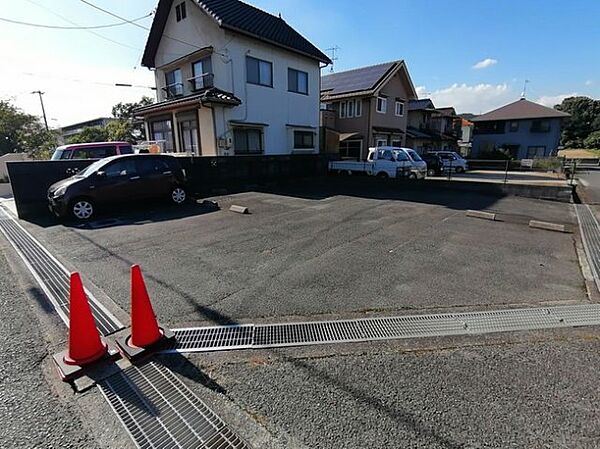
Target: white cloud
(477,99)
(484,64)
(589,82)
(553,100)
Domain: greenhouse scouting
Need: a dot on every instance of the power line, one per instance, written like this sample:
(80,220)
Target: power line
(137,24)
(89,31)
(58,27)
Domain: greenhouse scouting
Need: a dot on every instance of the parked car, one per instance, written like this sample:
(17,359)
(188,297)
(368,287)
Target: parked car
(118,179)
(435,164)
(96,150)
(453,161)
(385,162)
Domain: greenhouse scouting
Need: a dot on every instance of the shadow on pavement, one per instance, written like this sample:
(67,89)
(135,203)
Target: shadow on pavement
(424,192)
(128,215)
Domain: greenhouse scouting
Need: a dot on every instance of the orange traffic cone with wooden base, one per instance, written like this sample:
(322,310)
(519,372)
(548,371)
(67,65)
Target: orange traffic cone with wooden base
(85,344)
(146,334)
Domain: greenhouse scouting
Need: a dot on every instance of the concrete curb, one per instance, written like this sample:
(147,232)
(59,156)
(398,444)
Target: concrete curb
(555,227)
(239,210)
(482,215)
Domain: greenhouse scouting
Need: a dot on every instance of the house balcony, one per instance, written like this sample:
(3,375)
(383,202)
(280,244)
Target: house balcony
(196,84)
(202,82)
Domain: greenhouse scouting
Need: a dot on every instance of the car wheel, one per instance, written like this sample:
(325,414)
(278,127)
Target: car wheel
(82,209)
(382,175)
(431,172)
(460,170)
(412,176)
(178,195)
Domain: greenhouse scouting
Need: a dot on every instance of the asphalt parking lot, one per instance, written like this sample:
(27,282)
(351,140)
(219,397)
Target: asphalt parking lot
(303,254)
(333,251)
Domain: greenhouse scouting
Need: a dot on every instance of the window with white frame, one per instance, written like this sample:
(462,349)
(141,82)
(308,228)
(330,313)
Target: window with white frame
(399,108)
(382,105)
(381,143)
(350,108)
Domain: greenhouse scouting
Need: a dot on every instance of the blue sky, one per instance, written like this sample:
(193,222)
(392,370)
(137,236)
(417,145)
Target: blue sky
(555,45)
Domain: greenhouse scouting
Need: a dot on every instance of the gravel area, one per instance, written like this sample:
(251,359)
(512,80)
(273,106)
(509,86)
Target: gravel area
(35,410)
(534,395)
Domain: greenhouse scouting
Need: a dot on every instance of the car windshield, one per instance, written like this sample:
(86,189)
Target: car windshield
(414,155)
(91,169)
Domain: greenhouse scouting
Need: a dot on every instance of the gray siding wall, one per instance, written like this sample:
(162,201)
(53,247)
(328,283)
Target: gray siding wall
(523,137)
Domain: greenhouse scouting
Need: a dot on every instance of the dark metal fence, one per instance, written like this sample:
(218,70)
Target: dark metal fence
(31,179)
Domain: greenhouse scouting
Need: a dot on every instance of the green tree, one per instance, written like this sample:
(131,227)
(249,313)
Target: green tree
(24,133)
(592,141)
(585,119)
(124,112)
(90,134)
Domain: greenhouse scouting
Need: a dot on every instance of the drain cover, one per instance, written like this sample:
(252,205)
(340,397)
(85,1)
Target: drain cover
(374,329)
(590,234)
(160,411)
(51,275)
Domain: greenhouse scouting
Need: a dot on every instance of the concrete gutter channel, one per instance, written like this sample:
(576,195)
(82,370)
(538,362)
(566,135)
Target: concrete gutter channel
(158,410)
(154,405)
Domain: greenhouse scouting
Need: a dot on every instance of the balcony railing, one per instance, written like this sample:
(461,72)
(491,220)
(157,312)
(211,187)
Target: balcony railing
(173,90)
(200,82)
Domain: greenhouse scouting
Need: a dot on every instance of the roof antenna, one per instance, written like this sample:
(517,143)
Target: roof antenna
(333,56)
(524,93)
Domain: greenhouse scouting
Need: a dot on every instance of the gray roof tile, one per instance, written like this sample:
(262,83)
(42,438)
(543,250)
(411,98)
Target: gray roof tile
(365,78)
(240,17)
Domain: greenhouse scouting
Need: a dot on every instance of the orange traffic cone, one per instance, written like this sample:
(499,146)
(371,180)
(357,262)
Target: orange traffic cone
(144,327)
(85,344)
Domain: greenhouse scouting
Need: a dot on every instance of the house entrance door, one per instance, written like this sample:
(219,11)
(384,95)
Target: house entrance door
(188,136)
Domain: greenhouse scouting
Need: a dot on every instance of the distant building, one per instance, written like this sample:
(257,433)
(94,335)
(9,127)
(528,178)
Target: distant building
(430,128)
(523,130)
(367,107)
(71,130)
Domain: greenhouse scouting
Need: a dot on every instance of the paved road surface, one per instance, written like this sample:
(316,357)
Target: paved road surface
(34,411)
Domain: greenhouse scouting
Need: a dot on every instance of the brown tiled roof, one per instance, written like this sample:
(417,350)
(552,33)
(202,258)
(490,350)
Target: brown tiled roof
(519,110)
(208,96)
(239,17)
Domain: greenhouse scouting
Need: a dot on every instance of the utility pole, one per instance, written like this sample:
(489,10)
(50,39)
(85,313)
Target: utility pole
(40,93)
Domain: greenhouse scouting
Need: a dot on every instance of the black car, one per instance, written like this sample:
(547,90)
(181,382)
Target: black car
(116,180)
(435,164)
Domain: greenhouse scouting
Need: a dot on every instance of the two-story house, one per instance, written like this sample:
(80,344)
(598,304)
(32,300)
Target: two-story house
(367,106)
(523,130)
(231,80)
(430,128)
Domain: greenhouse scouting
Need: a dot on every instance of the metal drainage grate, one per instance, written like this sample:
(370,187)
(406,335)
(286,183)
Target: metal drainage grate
(215,338)
(51,275)
(374,329)
(590,233)
(160,411)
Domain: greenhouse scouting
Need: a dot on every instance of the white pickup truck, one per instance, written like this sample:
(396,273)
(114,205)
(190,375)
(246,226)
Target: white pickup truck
(385,162)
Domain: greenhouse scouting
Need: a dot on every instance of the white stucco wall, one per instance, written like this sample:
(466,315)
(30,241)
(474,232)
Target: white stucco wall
(274,106)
